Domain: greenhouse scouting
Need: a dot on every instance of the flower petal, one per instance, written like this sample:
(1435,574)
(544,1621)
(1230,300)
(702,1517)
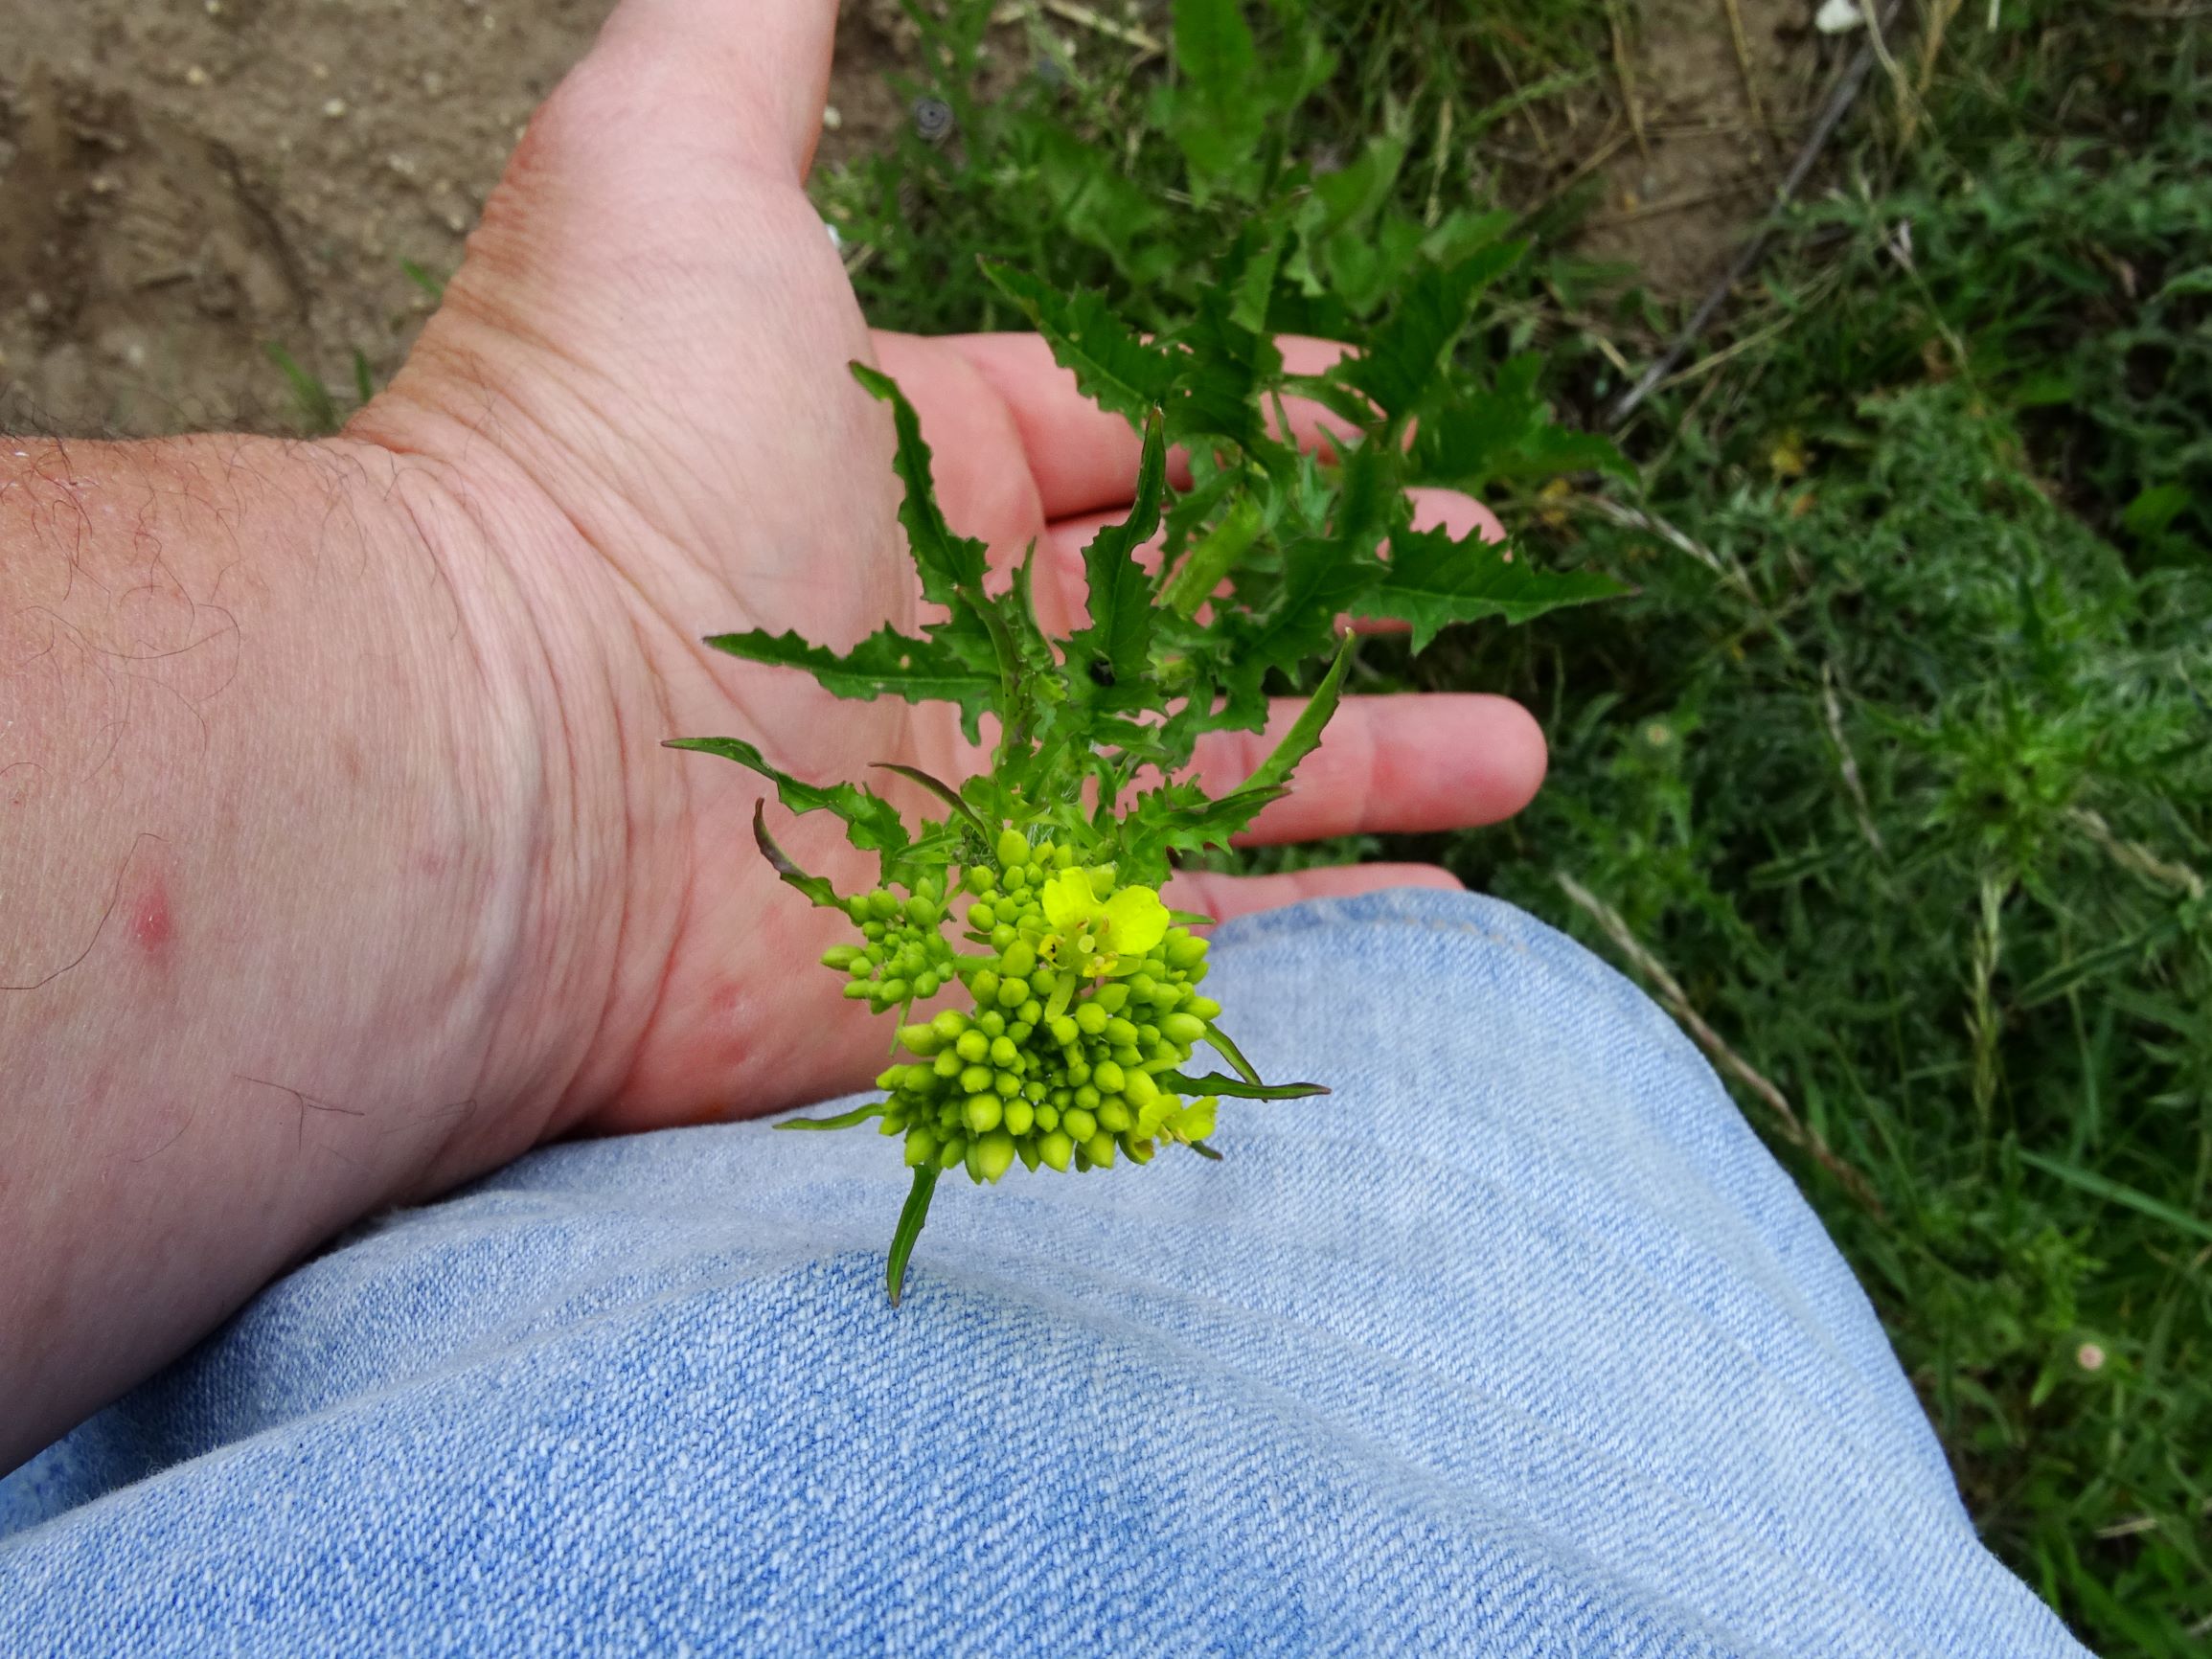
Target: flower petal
(1067,901)
(1138,919)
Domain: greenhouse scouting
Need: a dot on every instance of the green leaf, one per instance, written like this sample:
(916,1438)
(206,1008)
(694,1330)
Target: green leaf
(1301,739)
(842,1120)
(886,663)
(2155,509)
(911,1216)
(1113,367)
(1320,581)
(815,887)
(2117,1192)
(948,562)
(872,823)
(1432,580)
(1229,1052)
(1405,358)
(1110,663)
(1213,113)
(940,789)
(1237,1088)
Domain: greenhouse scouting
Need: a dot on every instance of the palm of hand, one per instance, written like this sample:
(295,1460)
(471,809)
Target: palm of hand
(641,366)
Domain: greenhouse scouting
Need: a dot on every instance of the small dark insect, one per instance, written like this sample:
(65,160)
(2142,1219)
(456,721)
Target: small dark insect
(1102,671)
(932,120)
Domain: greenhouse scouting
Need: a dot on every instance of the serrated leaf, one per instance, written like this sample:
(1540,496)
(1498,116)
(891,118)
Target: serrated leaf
(1305,733)
(1113,366)
(1321,581)
(948,562)
(872,823)
(1213,112)
(816,888)
(1432,580)
(1109,662)
(886,663)
(1406,356)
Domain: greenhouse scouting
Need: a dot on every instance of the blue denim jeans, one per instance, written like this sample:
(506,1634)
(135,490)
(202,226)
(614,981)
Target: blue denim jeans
(1518,1343)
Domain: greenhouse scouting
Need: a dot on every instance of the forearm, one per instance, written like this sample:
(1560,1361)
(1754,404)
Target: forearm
(274,874)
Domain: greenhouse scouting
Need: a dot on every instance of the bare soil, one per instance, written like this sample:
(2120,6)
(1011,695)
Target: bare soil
(185,182)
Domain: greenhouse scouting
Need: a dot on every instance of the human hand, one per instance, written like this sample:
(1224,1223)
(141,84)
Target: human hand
(637,386)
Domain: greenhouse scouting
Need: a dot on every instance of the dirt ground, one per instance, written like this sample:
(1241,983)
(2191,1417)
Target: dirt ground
(185,182)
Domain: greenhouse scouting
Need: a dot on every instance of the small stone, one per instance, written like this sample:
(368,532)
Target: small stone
(195,76)
(37,305)
(319,71)
(433,82)
(214,7)
(335,110)
(832,118)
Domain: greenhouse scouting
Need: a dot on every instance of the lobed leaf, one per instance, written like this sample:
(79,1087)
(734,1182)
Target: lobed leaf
(872,823)
(1432,580)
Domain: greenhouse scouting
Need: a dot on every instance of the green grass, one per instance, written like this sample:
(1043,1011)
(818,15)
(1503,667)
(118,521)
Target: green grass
(1900,763)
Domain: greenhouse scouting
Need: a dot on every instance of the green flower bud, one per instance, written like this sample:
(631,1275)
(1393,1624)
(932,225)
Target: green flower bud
(1087,1098)
(947,1064)
(974,1080)
(994,1155)
(920,1147)
(1139,1151)
(1184,949)
(1108,1074)
(952,1153)
(1125,1054)
(1115,1114)
(1090,1018)
(1065,1031)
(892,990)
(1056,1148)
(1185,1028)
(982,917)
(871,931)
(840,956)
(1101,1148)
(1030,1013)
(1048,1118)
(1003,935)
(1006,1083)
(1203,1008)
(1029,1155)
(1019,1116)
(891,1078)
(1120,1033)
(1143,986)
(993,1023)
(985,985)
(1011,993)
(920,1040)
(1110,998)
(1140,1088)
(856,989)
(1078,1071)
(925,984)
(882,904)
(949,1024)
(1101,882)
(1079,1122)
(1019,1029)
(1063,857)
(1016,960)
(981,879)
(855,908)
(922,912)
(1003,1052)
(1044,854)
(981,1113)
(974,1046)
(1012,848)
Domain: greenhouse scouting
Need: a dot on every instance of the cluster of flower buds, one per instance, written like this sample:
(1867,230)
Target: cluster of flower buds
(1087,997)
(905,958)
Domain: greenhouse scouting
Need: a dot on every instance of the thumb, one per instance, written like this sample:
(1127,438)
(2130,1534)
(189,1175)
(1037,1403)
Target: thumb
(756,69)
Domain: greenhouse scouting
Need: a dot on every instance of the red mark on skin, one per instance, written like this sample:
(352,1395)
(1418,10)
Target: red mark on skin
(151,927)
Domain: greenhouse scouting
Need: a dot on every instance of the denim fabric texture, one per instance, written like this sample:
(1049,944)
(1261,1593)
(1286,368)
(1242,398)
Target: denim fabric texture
(1519,1343)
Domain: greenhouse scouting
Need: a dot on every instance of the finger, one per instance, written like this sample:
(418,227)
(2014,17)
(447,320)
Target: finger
(1082,458)
(1221,896)
(758,73)
(1389,765)
(1061,586)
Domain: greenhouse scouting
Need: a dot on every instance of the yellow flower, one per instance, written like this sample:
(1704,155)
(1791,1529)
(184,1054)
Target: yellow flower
(1092,936)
